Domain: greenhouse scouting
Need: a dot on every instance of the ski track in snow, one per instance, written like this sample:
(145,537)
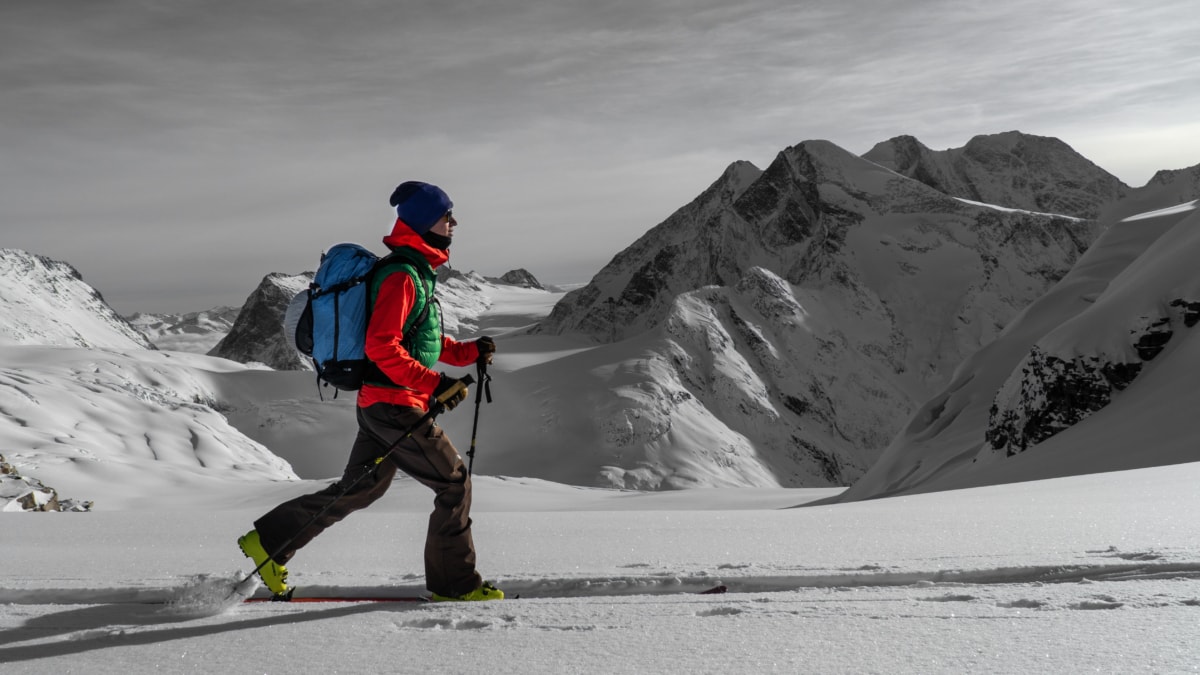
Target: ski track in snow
(211,594)
(81,621)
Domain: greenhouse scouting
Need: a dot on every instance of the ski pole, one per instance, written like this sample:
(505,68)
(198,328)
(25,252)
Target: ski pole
(485,386)
(436,409)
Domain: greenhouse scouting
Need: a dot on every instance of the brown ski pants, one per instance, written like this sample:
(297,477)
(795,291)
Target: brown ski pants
(427,456)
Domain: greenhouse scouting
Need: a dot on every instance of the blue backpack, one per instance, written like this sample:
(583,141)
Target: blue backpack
(328,321)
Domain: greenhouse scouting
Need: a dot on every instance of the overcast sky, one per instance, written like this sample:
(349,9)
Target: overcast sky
(175,152)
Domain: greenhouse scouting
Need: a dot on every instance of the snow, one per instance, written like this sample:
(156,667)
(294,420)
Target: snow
(36,288)
(195,332)
(1169,211)
(1099,572)
(1096,572)
(1006,209)
(1132,271)
(1167,269)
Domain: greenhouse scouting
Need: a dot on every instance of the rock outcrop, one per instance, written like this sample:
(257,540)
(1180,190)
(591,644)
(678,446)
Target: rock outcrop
(521,277)
(257,335)
(22,493)
(1049,394)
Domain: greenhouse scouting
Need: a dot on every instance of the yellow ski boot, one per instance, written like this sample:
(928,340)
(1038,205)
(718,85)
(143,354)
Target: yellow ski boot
(485,592)
(273,574)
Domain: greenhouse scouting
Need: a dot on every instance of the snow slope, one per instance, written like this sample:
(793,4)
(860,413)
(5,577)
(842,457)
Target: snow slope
(1131,278)
(146,422)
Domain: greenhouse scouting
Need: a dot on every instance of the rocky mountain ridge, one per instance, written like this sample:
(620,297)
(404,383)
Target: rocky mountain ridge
(833,294)
(37,295)
(785,325)
(1010,169)
(257,333)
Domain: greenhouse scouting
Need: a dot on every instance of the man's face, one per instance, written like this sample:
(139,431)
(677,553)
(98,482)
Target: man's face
(445,225)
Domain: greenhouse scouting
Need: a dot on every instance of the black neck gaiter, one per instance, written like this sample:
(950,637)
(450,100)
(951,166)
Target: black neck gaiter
(438,241)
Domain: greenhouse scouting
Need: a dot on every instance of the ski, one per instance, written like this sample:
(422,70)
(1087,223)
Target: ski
(715,590)
(343,598)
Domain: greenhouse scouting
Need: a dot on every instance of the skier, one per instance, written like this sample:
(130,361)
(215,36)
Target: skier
(394,398)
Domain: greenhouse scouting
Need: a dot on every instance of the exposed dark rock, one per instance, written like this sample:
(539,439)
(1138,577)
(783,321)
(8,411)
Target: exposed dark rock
(796,405)
(1150,342)
(827,464)
(257,335)
(446,273)
(652,278)
(1055,393)
(522,278)
(1189,311)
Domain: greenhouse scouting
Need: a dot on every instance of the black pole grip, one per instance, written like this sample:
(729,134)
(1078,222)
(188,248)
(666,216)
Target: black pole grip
(459,386)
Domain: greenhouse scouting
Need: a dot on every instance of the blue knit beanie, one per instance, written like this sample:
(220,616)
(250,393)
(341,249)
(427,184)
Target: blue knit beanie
(420,205)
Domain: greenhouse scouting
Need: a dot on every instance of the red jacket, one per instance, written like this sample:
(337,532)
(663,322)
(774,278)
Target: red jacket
(385,333)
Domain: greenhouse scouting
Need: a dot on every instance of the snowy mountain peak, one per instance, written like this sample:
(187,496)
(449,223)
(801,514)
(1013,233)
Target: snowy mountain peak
(740,174)
(828,297)
(823,161)
(46,302)
(902,151)
(521,277)
(1013,169)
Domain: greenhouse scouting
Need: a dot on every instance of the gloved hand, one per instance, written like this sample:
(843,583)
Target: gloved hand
(487,347)
(450,392)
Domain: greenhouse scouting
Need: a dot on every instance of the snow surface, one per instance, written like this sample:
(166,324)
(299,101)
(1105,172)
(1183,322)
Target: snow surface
(1095,573)
(1086,573)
